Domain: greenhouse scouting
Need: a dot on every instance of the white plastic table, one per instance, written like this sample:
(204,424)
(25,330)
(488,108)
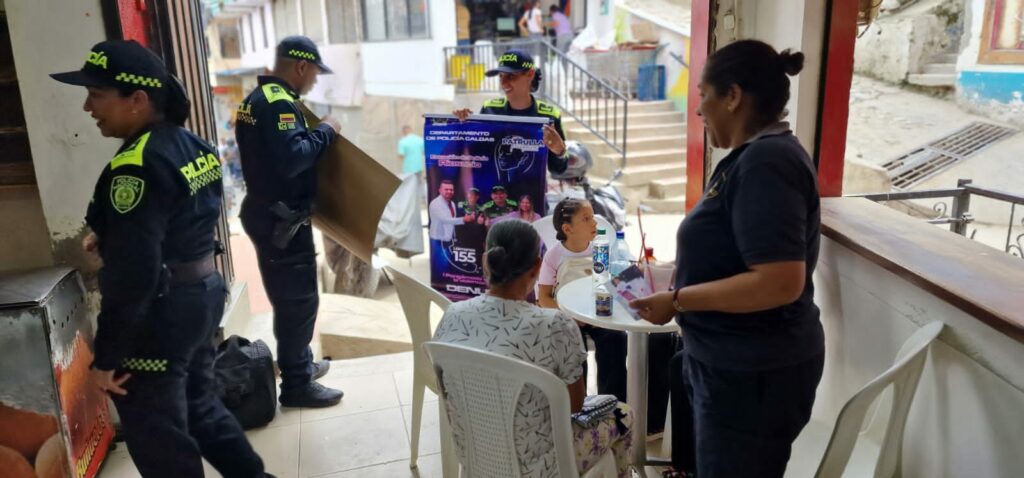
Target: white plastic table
(577,300)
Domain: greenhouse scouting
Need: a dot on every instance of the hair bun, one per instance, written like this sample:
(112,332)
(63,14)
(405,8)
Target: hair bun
(792,62)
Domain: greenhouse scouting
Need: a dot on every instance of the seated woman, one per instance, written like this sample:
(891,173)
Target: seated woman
(503,322)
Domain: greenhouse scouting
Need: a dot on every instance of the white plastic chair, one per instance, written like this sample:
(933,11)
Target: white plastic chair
(904,376)
(487,386)
(545,228)
(416,298)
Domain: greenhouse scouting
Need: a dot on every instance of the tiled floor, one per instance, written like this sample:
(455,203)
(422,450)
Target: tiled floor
(367,435)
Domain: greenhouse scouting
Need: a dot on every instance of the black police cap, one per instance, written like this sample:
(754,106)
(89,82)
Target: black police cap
(497,187)
(119,63)
(298,47)
(513,61)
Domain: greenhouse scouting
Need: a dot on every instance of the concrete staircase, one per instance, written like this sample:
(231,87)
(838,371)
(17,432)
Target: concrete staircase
(940,72)
(655,173)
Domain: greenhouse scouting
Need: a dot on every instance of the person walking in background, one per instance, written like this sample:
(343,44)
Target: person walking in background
(410,151)
(562,27)
(532,22)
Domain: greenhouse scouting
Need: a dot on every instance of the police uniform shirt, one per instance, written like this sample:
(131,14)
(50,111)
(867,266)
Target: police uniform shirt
(761,206)
(278,151)
(537,109)
(492,210)
(156,203)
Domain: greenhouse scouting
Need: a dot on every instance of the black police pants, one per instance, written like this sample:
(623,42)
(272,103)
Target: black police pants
(745,421)
(684,445)
(289,277)
(610,348)
(171,417)
(610,355)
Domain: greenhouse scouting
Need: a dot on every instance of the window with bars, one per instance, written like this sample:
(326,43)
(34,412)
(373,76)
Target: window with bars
(343,21)
(395,20)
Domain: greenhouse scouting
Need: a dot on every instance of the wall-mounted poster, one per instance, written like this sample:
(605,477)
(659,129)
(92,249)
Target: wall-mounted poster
(481,171)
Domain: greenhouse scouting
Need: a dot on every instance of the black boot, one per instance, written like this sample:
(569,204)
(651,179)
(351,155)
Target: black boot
(312,395)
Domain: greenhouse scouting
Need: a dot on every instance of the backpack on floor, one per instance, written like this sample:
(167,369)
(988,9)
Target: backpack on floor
(244,373)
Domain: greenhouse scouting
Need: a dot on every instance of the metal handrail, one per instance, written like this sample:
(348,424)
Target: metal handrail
(960,217)
(592,101)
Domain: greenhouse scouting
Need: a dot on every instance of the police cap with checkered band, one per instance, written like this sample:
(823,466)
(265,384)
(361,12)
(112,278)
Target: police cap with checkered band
(298,47)
(123,64)
(513,61)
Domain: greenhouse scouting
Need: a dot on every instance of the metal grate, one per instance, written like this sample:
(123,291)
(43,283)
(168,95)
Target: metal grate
(933,158)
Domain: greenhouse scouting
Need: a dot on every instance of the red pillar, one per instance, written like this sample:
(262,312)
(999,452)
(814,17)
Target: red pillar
(835,94)
(700,20)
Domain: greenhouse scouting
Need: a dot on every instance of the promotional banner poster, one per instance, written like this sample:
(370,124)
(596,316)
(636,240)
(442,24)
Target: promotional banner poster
(482,171)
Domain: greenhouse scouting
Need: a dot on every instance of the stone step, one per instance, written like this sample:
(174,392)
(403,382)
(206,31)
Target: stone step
(940,68)
(672,205)
(606,164)
(580,133)
(352,327)
(634,176)
(667,187)
(932,79)
(584,106)
(637,145)
(618,121)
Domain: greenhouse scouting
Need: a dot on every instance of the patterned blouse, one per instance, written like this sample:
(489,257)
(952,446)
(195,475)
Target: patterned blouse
(544,337)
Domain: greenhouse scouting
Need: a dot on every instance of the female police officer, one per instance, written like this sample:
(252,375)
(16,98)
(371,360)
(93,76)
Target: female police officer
(152,215)
(753,342)
(520,77)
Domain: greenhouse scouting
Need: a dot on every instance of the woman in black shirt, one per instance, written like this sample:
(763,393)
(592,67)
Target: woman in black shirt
(745,257)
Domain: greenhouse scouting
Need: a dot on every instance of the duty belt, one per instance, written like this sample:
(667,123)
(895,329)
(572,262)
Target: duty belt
(193,271)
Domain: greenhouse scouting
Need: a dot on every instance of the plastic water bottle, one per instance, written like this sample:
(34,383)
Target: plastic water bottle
(601,255)
(620,257)
(601,275)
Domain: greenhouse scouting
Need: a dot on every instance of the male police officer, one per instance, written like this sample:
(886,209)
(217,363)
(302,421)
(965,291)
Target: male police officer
(520,77)
(152,217)
(278,155)
(499,205)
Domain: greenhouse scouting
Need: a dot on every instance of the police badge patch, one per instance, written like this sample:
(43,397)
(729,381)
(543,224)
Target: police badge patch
(126,192)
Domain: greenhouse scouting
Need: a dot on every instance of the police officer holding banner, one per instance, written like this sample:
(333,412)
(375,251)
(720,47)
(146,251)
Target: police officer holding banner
(152,217)
(279,154)
(520,78)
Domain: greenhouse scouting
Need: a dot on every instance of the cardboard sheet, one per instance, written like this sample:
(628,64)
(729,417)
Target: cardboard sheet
(352,191)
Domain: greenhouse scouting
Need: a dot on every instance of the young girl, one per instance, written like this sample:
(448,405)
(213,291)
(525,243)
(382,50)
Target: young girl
(571,259)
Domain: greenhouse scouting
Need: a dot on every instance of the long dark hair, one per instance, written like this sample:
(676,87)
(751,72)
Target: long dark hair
(513,247)
(172,101)
(757,69)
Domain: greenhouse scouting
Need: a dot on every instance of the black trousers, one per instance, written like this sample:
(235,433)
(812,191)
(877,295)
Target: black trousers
(610,354)
(289,277)
(171,416)
(745,421)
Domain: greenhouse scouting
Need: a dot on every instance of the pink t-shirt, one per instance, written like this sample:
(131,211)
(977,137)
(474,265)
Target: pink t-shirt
(554,258)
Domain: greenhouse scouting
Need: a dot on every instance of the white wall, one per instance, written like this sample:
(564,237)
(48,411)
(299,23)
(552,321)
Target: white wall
(415,68)
(966,419)
(405,69)
(67,150)
(798,25)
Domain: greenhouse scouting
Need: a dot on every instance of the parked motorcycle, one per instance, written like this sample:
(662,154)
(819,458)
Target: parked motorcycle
(573,183)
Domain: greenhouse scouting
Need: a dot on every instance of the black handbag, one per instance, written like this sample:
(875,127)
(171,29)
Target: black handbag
(244,372)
